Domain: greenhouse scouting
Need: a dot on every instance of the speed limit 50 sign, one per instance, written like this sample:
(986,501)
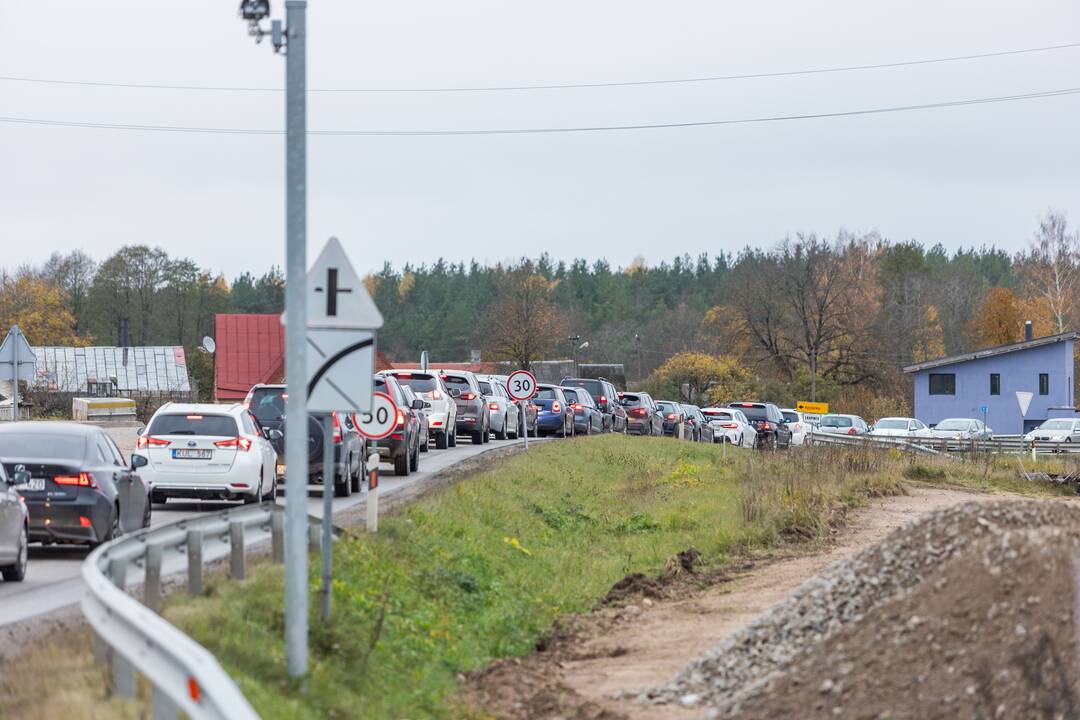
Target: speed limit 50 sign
(521,385)
(382,419)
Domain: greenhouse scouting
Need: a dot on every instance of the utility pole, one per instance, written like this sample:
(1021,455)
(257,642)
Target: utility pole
(637,341)
(574,339)
(813,375)
(292,42)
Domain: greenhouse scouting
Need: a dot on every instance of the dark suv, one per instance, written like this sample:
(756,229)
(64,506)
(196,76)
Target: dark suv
(267,404)
(402,445)
(641,414)
(606,398)
(769,422)
(473,416)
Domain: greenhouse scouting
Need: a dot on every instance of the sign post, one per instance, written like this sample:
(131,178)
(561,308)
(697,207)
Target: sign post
(375,425)
(812,411)
(340,354)
(521,386)
(16,363)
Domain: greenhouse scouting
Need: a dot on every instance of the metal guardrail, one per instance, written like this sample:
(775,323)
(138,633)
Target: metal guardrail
(183,674)
(999,444)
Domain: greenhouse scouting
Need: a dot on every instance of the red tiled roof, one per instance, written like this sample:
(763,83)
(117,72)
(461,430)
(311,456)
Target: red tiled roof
(483,368)
(250,350)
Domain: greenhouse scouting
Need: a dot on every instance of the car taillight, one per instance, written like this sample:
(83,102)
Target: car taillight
(602,400)
(337,428)
(729,426)
(468,396)
(240,443)
(577,406)
(80,480)
(766,426)
(556,407)
(147,440)
(637,412)
(435,395)
(400,417)
(671,416)
(247,404)
(493,406)
(851,431)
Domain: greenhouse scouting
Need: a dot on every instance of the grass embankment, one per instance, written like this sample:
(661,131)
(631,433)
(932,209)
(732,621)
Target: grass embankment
(481,569)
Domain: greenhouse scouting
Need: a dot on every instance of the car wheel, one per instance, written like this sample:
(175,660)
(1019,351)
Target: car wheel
(158,498)
(487,433)
(272,493)
(16,572)
(401,464)
(357,479)
(114,527)
(344,488)
(442,440)
(255,496)
(146,512)
(477,437)
(424,445)
(414,464)
(451,438)
(501,434)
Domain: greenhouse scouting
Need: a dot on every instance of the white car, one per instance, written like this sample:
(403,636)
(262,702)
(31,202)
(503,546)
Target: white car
(962,429)
(901,427)
(840,424)
(209,452)
(442,415)
(799,427)
(1059,430)
(731,426)
(505,413)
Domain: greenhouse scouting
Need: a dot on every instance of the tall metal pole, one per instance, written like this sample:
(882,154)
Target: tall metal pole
(296,440)
(15,333)
(813,375)
(329,477)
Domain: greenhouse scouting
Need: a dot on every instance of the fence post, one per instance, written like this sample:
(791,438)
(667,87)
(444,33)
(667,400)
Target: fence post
(163,707)
(277,533)
(373,494)
(314,535)
(152,588)
(194,562)
(123,674)
(236,550)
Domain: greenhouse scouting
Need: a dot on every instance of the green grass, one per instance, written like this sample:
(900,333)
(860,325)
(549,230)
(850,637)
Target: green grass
(990,473)
(481,569)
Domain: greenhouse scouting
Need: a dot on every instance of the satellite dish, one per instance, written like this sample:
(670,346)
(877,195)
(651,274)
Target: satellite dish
(209,345)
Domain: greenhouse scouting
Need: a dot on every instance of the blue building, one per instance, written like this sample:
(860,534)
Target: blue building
(961,385)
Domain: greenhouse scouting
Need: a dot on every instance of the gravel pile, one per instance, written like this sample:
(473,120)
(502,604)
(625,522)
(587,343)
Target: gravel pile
(909,623)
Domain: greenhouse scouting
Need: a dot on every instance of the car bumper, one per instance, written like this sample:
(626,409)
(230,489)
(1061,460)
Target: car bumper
(550,421)
(437,422)
(84,519)
(637,427)
(241,479)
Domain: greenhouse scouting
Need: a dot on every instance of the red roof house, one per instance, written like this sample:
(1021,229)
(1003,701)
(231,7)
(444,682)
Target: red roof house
(251,350)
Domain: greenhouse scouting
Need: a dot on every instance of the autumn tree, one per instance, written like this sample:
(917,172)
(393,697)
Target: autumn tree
(72,274)
(40,310)
(929,337)
(1051,273)
(523,323)
(699,378)
(999,321)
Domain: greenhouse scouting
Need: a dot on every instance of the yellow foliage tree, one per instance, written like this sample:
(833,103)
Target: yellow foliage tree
(1000,320)
(929,337)
(696,378)
(38,307)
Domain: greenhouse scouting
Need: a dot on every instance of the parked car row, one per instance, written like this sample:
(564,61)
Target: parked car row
(902,427)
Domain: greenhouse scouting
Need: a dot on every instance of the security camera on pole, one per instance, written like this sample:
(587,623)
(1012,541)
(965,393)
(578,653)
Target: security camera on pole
(292,42)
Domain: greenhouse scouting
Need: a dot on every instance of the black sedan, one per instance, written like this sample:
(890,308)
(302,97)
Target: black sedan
(79,489)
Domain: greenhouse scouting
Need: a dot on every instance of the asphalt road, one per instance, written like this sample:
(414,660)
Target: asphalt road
(53,580)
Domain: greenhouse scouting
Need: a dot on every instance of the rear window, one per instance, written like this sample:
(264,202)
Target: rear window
(835,421)
(54,446)
(666,406)
(594,387)
(546,394)
(454,381)
(215,425)
(419,383)
(630,400)
(716,414)
(485,387)
(891,424)
(268,404)
(790,416)
(754,412)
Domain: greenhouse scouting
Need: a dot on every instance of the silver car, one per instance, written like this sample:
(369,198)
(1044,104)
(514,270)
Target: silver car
(505,414)
(962,429)
(14,525)
(442,413)
(837,424)
(1059,430)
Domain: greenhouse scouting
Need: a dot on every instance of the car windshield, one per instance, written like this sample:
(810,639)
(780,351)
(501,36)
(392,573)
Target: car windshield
(1057,425)
(790,416)
(419,383)
(891,424)
(545,393)
(268,403)
(835,421)
(55,446)
(456,381)
(716,414)
(194,424)
(953,425)
(754,412)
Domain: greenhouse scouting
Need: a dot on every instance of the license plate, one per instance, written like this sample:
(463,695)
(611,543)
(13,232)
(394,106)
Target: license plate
(188,454)
(33,485)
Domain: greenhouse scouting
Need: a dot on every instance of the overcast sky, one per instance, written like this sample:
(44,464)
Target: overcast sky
(958,176)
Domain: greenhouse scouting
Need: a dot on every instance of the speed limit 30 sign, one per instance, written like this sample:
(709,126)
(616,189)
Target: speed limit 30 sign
(382,419)
(521,385)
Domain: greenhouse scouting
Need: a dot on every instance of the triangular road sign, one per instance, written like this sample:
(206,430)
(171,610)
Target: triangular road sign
(1023,399)
(15,340)
(336,296)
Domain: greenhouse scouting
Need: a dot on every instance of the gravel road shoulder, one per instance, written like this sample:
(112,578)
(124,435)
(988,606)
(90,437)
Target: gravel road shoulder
(595,660)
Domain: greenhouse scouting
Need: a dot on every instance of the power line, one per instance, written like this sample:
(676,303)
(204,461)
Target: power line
(556,86)
(547,130)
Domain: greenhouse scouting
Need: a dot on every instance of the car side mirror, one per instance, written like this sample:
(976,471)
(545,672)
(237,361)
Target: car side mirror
(274,434)
(138,461)
(427,405)
(454,392)
(140,430)
(418,404)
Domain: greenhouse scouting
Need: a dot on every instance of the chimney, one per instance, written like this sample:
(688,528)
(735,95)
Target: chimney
(1028,332)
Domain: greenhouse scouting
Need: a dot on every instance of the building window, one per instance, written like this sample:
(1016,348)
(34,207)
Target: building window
(995,384)
(1044,383)
(942,384)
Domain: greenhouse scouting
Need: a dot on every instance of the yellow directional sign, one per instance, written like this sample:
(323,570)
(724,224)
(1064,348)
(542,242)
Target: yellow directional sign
(815,408)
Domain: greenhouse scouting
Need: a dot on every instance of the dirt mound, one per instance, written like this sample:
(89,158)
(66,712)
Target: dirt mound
(967,613)
(632,585)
